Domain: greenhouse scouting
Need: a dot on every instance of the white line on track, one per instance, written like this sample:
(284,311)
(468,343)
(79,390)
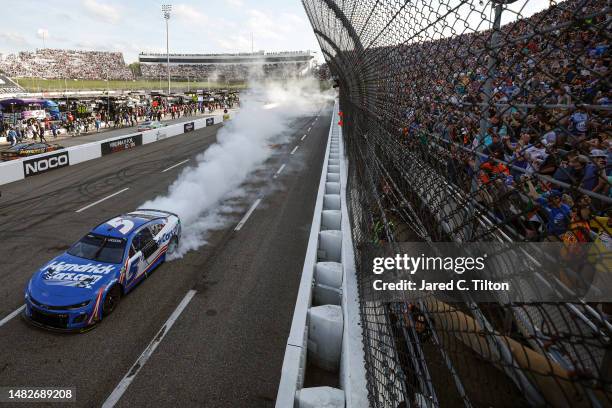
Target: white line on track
(11,316)
(303,137)
(309,129)
(294,150)
(131,374)
(176,165)
(103,199)
(278,171)
(247,215)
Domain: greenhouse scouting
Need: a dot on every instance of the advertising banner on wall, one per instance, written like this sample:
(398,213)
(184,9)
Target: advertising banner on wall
(38,165)
(119,145)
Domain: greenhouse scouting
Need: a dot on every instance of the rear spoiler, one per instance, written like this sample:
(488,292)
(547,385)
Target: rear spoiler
(157,211)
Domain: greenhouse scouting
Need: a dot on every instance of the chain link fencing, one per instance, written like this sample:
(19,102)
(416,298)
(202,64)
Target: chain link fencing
(468,121)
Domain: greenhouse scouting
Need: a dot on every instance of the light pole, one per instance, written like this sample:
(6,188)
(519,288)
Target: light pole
(492,64)
(166,9)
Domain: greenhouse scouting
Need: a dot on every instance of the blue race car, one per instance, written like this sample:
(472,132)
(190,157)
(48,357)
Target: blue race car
(78,288)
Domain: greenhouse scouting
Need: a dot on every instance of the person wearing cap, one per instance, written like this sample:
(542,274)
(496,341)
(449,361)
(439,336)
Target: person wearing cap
(557,213)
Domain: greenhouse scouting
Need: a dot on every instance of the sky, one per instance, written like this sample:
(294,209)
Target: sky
(196,26)
(134,26)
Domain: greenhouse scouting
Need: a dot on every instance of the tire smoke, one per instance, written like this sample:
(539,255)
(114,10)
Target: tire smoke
(201,193)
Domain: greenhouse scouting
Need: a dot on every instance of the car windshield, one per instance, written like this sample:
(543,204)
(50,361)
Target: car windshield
(99,248)
(145,123)
(17,147)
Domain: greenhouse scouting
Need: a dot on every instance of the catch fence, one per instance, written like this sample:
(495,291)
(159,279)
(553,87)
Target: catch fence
(468,121)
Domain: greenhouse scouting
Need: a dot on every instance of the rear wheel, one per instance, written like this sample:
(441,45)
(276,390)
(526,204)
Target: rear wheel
(111,300)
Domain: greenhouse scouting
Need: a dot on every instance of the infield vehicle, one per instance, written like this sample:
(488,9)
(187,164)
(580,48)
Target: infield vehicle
(27,149)
(150,124)
(77,289)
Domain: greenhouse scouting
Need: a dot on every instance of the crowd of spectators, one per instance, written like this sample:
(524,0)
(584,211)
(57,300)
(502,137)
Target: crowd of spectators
(220,72)
(73,64)
(47,130)
(529,138)
(100,65)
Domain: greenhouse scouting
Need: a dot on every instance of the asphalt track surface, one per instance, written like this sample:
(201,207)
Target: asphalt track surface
(226,347)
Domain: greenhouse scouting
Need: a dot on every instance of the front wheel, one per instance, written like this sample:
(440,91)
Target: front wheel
(173,245)
(111,300)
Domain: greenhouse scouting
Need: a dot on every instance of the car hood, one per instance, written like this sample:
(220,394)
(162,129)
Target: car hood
(69,279)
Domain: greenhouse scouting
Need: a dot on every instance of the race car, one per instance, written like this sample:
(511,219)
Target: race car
(75,290)
(27,149)
(150,124)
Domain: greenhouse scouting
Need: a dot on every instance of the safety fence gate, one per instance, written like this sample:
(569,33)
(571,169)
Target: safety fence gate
(469,122)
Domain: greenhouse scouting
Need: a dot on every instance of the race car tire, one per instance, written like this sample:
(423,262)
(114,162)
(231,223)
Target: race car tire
(173,245)
(111,300)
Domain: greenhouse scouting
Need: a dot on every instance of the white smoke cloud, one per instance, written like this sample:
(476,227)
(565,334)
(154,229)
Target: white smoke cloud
(202,194)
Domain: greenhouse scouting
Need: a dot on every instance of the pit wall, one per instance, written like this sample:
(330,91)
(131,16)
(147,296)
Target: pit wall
(20,169)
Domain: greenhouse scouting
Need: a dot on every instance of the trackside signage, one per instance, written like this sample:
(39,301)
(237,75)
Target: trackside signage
(119,145)
(43,164)
(210,121)
(188,127)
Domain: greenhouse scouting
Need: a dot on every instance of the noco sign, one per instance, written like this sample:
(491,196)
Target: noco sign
(32,167)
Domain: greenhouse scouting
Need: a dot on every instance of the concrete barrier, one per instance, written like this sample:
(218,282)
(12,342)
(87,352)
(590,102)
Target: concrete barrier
(294,362)
(325,336)
(320,397)
(326,312)
(11,171)
(84,152)
(331,220)
(328,283)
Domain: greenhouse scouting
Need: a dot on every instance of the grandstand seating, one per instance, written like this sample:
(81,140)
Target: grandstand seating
(100,65)
(215,72)
(229,67)
(73,64)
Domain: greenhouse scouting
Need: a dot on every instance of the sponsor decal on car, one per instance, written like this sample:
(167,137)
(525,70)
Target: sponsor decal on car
(122,144)
(210,121)
(60,273)
(32,167)
(31,152)
(188,127)
(61,266)
(77,280)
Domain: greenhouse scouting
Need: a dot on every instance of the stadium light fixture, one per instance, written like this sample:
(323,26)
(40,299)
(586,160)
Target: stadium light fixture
(166,9)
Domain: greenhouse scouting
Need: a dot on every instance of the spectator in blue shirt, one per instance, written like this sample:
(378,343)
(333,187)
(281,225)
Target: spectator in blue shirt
(12,136)
(557,212)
